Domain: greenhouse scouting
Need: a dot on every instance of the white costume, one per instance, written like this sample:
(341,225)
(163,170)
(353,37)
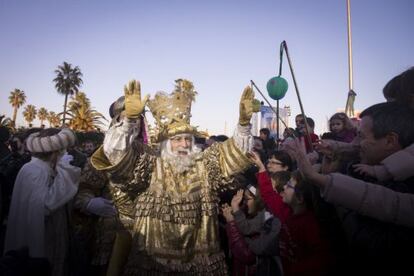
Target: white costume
(38,218)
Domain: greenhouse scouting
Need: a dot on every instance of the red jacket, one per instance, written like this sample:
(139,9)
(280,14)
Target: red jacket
(314,138)
(302,249)
(244,260)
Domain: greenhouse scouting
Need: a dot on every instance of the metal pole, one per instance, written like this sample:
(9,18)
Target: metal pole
(350,66)
(277,124)
(351,84)
(298,95)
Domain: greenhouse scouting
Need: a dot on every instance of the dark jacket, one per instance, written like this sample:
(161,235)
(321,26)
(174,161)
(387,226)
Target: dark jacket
(255,253)
(379,247)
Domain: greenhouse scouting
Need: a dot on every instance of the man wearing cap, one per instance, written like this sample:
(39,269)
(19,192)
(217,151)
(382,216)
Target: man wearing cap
(173,193)
(43,187)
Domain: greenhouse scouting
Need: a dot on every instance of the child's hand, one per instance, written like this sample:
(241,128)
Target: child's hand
(227,214)
(364,169)
(236,200)
(255,158)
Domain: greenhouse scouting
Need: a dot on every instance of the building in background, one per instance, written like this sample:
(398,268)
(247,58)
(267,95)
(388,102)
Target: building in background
(266,118)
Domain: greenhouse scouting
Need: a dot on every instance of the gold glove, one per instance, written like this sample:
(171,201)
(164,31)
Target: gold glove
(248,105)
(134,106)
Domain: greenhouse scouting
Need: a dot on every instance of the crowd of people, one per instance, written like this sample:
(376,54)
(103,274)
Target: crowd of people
(339,203)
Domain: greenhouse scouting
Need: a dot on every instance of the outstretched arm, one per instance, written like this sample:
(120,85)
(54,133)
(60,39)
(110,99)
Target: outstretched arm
(121,135)
(127,162)
(248,105)
(226,159)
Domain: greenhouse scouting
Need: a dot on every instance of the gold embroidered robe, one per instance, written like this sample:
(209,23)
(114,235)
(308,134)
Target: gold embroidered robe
(176,226)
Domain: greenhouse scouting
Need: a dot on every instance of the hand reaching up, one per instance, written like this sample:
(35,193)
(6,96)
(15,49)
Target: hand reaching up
(134,106)
(236,200)
(303,163)
(255,158)
(305,167)
(227,212)
(248,106)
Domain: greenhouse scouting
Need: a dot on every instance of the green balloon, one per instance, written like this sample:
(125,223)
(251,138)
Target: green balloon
(277,88)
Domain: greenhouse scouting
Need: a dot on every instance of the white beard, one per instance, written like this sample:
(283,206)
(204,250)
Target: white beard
(179,163)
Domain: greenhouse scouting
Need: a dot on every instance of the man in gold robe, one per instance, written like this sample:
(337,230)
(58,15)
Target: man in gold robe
(172,193)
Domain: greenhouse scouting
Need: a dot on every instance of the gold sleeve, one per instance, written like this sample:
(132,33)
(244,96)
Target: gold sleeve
(223,161)
(131,175)
(91,184)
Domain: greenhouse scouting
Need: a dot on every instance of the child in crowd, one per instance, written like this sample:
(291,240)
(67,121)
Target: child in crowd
(279,180)
(342,128)
(253,235)
(303,250)
(302,131)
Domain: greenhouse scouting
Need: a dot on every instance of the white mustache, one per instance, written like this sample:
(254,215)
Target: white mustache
(182,150)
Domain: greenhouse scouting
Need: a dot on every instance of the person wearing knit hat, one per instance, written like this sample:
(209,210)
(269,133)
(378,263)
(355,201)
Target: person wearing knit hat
(43,187)
(170,195)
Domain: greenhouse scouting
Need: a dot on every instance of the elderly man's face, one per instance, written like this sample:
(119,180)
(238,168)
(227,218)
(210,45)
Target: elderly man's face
(181,144)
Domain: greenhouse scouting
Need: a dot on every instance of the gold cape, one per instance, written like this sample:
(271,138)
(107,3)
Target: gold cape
(176,226)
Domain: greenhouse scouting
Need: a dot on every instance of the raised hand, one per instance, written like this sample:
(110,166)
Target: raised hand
(248,105)
(227,212)
(305,167)
(255,158)
(134,106)
(236,200)
(303,163)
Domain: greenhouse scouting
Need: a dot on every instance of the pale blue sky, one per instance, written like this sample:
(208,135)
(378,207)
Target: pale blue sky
(219,45)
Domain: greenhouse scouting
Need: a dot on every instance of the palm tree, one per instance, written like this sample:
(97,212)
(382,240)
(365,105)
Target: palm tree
(79,99)
(82,116)
(53,119)
(42,115)
(29,114)
(17,98)
(67,82)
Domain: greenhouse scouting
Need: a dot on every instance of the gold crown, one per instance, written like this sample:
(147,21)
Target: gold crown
(172,112)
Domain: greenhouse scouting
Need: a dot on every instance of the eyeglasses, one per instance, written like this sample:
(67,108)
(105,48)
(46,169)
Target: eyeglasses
(289,185)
